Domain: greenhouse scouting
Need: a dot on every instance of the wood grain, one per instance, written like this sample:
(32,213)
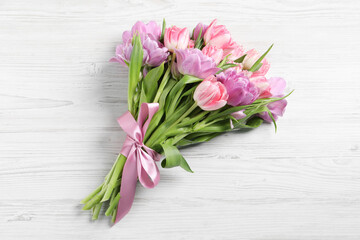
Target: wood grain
(59,98)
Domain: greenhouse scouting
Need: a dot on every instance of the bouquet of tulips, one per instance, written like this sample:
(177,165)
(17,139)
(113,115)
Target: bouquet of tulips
(183,89)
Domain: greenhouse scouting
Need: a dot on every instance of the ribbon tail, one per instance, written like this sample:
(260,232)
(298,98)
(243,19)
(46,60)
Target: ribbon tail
(128,186)
(148,172)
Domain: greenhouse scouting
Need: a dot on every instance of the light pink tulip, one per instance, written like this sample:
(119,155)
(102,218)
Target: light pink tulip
(251,57)
(219,36)
(213,52)
(263,85)
(237,52)
(272,87)
(210,94)
(176,38)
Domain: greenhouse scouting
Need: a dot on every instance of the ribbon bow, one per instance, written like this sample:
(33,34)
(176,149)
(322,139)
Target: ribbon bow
(141,159)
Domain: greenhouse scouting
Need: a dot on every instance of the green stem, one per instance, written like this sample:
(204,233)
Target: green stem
(184,115)
(162,84)
(191,120)
(120,162)
(159,135)
(95,200)
(96,212)
(91,195)
(112,205)
(114,215)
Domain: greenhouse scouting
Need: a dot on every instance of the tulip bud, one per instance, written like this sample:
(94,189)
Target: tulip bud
(176,38)
(251,57)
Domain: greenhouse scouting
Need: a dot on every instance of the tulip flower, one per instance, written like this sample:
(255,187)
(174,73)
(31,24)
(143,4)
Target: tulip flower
(193,62)
(210,94)
(176,38)
(276,108)
(241,91)
(154,53)
(197,29)
(276,88)
(214,53)
(234,53)
(219,36)
(151,30)
(251,57)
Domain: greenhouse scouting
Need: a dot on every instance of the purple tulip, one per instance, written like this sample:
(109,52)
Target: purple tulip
(197,29)
(276,108)
(241,91)
(154,53)
(277,87)
(151,30)
(193,62)
(122,54)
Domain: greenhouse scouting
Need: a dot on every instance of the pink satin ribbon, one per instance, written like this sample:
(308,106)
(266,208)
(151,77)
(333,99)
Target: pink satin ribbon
(141,159)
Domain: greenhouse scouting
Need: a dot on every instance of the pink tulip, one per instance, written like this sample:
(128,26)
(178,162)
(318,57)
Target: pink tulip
(272,87)
(219,36)
(176,38)
(210,94)
(263,85)
(197,29)
(213,52)
(251,57)
(191,44)
(276,88)
(237,52)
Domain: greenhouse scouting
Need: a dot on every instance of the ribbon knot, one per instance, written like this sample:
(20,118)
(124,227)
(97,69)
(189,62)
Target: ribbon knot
(141,159)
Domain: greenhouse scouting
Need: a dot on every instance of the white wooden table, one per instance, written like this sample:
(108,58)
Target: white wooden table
(60,97)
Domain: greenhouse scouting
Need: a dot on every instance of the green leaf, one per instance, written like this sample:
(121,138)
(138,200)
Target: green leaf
(142,96)
(218,126)
(223,62)
(179,111)
(227,66)
(163,31)
(155,121)
(272,118)
(198,41)
(240,59)
(256,67)
(175,93)
(162,101)
(173,158)
(226,112)
(251,123)
(270,100)
(150,83)
(254,122)
(134,70)
(197,138)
